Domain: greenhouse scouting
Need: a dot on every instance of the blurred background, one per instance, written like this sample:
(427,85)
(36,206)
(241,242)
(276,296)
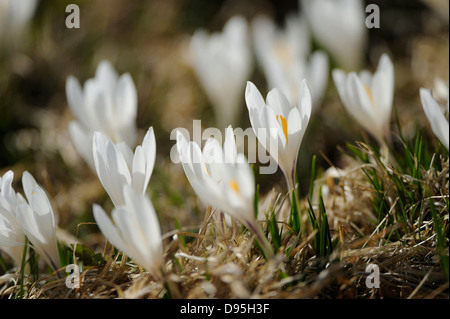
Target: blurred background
(150,40)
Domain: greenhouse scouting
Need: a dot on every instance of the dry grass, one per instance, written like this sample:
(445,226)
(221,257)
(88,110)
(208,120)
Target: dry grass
(205,258)
(221,261)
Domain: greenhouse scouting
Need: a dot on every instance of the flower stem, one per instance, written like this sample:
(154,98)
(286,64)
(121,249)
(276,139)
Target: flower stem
(261,238)
(22,268)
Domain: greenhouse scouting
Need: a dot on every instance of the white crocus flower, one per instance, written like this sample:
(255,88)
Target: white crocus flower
(279,125)
(107,103)
(439,123)
(284,55)
(339,27)
(14,16)
(368,98)
(134,229)
(38,221)
(223,179)
(12,238)
(116,165)
(222,62)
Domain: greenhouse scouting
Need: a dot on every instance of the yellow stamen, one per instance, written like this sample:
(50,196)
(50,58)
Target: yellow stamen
(233,184)
(369,93)
(283,123)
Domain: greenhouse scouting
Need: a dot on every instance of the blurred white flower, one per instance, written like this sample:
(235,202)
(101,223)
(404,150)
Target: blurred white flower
(368,98)
(284,55)
(222,62)
(38,221)
(116,165)
(279,125)
(339,27)
(134,230)
(222,179)
(436,117)
(440,90)
(12,238)
(107,103)
(14,16)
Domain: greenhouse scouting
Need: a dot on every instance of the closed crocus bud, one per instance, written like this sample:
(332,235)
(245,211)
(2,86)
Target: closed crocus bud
(436,117)
(368,98)
(37,220)
(216,173)
(222,62)
(223,179)
(107,103)
(339,27)
(284,56)
(134,229)
(116,164)
(280,125)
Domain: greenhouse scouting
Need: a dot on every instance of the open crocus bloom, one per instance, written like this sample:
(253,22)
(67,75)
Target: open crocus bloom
(12,238)
(134,229)
(116,165)
(439,124)
(339,27)
(279,125)
(108,103)
(284,56)
(223,180)
(368,98)
(38,221)
(222,63)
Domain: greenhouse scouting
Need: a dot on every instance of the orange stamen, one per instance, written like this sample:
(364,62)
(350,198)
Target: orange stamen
(369,93)
(233,184)
(283,123)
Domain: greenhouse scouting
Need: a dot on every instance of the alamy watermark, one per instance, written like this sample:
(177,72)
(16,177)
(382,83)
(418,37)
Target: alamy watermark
(74,277)
(73,19)
(373,19)
(265,155)
(373,279)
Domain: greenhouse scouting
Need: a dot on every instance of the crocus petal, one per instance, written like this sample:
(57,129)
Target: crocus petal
(149,149)
(107,103)
(382,87)
(107,227)
(339,26)
(7,194)
(82,141)
(126,98)
(40,231)
(436,117)
(10,231)
(147,220)
(253,97)
(222,63)
(138,171)
(111,167)
(229,146)
(106,77)
(304,100)
(368,98)
(278,102)
(75,98)
(135,230)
